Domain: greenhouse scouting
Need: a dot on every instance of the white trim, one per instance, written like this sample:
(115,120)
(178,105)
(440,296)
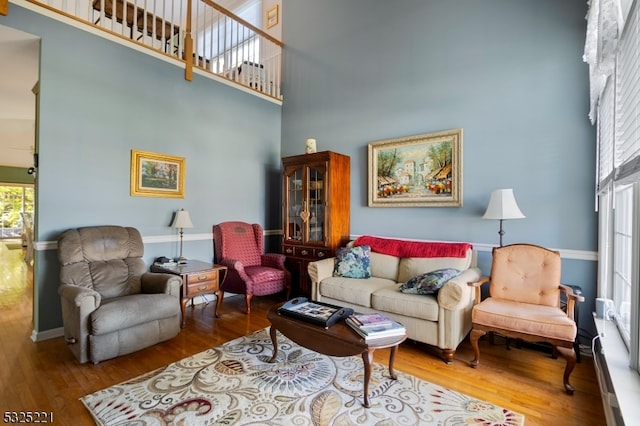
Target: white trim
(564,253)
(39,336)
(626,381)
(573,254)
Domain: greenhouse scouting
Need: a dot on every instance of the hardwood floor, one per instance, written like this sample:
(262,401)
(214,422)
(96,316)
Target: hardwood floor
(45,376)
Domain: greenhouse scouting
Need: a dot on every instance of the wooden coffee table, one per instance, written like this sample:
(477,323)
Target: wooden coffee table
(338,340)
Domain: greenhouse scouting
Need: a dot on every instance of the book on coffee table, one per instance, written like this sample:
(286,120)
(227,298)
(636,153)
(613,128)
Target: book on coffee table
(383,330)
(370,320)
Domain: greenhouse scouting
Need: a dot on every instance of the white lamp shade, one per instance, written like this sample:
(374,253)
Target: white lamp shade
(182,220)
(502,205)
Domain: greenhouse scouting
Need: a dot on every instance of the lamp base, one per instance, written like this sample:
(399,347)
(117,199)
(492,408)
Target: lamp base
(181,260)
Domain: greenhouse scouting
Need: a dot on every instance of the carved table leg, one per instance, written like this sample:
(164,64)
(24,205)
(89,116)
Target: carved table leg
(367,357)
(274,341)
(183,308)
(392,358)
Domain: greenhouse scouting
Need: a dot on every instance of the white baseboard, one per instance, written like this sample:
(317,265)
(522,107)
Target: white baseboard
(39,336)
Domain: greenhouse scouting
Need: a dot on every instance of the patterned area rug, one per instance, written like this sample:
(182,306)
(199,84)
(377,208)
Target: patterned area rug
(233,384)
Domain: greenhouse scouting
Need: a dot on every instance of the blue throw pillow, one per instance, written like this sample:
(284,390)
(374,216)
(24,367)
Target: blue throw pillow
(353,262)
(430,282)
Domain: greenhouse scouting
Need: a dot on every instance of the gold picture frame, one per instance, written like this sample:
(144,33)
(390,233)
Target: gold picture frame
(272,16)
(417,171)
(157,175)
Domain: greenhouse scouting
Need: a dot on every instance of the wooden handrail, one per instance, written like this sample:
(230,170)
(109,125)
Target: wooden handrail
(243,22)
(188,46)
(4,7)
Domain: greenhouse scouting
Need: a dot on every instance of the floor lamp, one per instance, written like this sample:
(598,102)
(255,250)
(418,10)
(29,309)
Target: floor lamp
(181,221)
(502,206)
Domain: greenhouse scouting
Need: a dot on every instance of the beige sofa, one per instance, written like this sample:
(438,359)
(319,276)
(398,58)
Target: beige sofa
(442,320)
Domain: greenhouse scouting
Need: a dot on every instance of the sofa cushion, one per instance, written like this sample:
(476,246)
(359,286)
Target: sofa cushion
(429,282)
(353,262)
(384,266)
(353,290)
(392,300)
(413,266)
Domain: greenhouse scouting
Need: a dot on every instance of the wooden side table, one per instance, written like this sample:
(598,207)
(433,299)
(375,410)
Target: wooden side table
(198,278)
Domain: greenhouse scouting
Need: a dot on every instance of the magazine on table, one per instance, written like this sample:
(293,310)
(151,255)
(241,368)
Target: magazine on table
(366,321)
(377,332)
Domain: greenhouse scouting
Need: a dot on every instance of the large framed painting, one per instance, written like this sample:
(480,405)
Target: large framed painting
(157,175)
(417,171)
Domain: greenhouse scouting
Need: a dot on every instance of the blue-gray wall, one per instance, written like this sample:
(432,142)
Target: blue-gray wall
(509,73)
(98,101)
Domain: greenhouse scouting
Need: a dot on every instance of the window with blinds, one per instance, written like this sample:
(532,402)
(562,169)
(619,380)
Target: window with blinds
(627,101)
(618,178)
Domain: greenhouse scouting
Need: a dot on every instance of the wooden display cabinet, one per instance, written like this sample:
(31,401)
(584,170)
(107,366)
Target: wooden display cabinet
(316,211)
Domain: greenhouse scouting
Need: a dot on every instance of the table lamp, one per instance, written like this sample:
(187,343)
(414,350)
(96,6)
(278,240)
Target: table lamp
(181,220)
(502,205)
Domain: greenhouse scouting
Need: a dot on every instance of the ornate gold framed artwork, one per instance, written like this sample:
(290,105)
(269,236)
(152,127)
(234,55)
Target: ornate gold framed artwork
(416,171)
(157,175)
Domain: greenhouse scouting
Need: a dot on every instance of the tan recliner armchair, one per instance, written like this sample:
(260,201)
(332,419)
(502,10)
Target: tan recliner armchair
(524,302)
(111,305)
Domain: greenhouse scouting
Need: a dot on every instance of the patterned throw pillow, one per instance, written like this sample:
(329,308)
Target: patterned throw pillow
(353,262)
(430,282)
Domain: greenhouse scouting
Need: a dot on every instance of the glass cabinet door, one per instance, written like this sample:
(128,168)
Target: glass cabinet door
(316,207)
(293,204)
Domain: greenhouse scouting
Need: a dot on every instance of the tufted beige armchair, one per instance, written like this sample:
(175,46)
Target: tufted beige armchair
(110,305)
(524,302)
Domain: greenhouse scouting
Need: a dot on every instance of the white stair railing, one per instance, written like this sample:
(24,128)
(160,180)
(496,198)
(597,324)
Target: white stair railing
(222,43)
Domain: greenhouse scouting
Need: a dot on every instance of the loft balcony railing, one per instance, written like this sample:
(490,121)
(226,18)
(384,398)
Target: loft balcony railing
(200,33)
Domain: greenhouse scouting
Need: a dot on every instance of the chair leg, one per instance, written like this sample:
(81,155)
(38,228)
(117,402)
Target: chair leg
(570,355)
(247,299)
(475,336)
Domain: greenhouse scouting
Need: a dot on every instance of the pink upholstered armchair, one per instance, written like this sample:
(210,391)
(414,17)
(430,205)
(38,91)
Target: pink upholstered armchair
(524,302)
(240,247)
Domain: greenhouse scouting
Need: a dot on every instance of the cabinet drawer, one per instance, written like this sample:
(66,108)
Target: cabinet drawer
(322,254)
(199,282)
(306,252)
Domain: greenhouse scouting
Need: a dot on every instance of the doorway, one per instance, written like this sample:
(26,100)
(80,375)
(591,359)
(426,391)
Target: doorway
(19,67)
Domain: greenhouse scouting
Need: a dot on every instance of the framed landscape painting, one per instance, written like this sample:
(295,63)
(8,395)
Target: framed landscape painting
(417,171)
(157,175)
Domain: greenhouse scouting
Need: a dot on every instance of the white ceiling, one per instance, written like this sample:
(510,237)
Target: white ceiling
(19,59)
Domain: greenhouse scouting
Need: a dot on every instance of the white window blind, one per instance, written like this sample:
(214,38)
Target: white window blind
(627,158)
(606,136)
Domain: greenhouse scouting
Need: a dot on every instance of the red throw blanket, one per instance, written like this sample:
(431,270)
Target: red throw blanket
(404,248)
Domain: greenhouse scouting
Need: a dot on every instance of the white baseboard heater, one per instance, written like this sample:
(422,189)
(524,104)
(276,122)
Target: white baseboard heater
(609,401)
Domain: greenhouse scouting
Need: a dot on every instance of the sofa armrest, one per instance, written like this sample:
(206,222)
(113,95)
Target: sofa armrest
(318,271)
(155,282)
(456,292)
